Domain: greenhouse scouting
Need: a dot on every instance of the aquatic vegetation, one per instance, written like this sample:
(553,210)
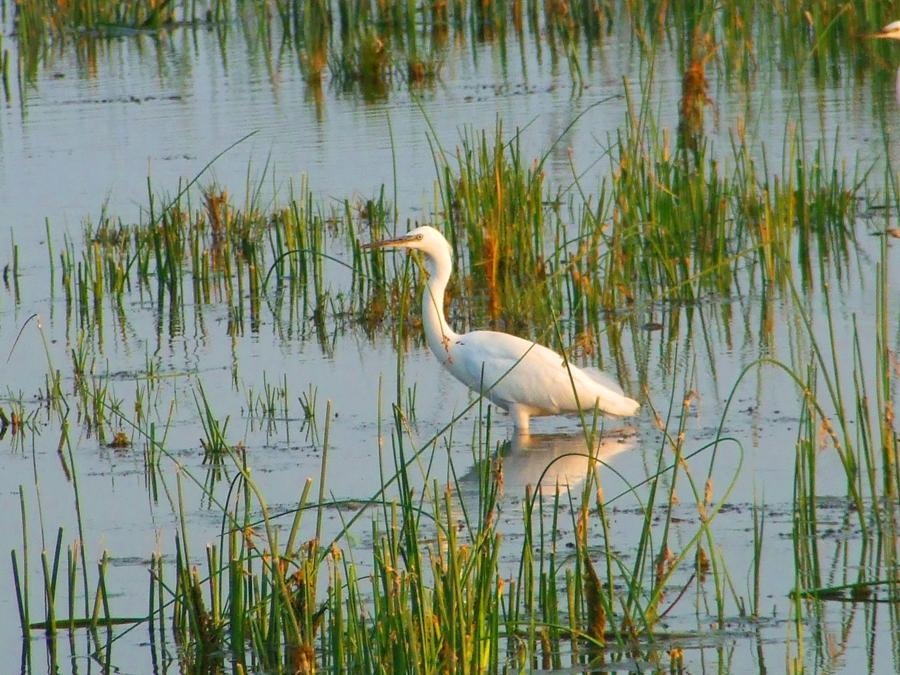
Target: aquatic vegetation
(34,19)
(669,227)
(684,254)
(378,44)
(442,581)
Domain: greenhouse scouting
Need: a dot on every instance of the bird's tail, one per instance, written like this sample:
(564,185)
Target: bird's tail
(613,399)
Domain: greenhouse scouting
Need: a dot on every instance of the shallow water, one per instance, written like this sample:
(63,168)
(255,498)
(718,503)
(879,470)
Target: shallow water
(85,137)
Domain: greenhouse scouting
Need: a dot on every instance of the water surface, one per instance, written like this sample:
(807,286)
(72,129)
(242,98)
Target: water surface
(84,138)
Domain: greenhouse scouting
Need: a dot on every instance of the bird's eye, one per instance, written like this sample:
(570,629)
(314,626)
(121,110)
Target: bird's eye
(420,237)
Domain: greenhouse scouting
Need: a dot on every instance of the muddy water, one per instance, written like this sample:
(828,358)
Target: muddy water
(81,139)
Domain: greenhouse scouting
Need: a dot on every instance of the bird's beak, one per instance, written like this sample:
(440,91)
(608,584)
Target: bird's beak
(393,242)
(893,34)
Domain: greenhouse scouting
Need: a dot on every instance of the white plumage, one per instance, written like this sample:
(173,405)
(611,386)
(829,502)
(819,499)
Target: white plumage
(522,377)
(891,31)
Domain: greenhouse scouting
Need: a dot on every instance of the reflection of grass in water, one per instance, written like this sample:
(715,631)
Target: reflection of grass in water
(356,40)
(40,17)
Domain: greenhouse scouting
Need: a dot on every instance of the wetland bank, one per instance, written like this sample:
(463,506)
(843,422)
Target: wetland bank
(226,446)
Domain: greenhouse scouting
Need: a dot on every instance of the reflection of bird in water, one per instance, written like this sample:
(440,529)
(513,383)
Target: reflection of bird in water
(520,376)
(556,462)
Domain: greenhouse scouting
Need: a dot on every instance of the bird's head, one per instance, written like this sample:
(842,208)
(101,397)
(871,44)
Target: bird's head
(426,239)
(889,32)
(423,238)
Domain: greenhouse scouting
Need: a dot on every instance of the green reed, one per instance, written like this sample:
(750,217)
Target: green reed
(685,225)
(254,598)
(844,426)
(493,203)
(441,587)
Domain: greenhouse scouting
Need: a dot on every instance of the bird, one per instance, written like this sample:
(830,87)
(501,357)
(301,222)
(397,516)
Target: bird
(889,32)
(520,376)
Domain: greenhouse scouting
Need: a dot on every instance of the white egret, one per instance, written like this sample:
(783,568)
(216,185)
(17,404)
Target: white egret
(889,32)
(520,376)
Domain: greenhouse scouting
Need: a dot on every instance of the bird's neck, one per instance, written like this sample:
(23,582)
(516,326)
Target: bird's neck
(440,336)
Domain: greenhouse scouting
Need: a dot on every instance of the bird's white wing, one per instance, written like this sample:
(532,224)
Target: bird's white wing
(512,370)
(487,358)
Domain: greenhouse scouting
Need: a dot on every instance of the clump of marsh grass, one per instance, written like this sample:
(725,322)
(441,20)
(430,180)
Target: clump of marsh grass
(695,91)
(438,574)
(494,204)
(846,412)
(683,225)
(438,578)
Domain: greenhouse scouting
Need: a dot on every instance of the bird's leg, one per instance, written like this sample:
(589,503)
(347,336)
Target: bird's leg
(520,419)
